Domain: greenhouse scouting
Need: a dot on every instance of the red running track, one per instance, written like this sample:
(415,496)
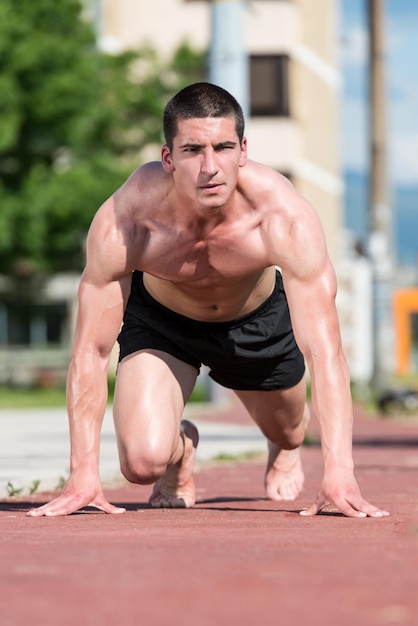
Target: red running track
(234,559)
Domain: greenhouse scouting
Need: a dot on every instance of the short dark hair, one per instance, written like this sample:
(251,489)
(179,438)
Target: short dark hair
(201,100)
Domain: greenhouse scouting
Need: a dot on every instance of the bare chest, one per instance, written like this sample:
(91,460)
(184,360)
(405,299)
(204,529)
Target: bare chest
(210,260)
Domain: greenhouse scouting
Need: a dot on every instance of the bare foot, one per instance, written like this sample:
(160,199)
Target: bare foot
(176,488)
(284,476)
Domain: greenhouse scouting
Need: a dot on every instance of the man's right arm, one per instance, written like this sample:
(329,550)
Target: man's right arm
(103,293)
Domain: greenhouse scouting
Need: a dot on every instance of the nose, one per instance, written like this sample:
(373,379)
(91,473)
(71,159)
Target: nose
(209,165)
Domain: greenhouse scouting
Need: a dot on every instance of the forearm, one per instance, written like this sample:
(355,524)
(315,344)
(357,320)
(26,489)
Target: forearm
(332,405)
(86,404)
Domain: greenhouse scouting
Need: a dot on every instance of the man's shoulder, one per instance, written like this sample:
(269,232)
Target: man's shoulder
(145,188)
(129,207)
(263,177)
(268,190)
(149,175)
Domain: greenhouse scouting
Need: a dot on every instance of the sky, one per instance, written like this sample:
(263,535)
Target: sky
(401,37)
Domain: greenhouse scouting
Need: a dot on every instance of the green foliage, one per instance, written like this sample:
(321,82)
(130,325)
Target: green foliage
(12,490)
(73,123)
(34,487)
(54,396)
(16,398)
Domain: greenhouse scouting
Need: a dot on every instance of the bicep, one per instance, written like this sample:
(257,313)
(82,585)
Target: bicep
(313,311)
(105,284)
(309,280)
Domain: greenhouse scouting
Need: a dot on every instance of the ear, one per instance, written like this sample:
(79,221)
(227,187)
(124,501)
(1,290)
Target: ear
(243,155)
(166,159)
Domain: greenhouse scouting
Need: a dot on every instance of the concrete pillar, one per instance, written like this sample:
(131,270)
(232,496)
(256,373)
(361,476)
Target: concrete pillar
(228,59)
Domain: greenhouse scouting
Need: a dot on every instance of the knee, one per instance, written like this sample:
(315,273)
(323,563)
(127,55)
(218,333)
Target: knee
(291,439)
(292,435)
(142,469)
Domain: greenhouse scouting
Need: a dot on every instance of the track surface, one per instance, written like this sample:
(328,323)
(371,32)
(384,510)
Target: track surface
(235,558)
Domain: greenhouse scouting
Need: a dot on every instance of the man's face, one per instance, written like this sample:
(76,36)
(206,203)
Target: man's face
(205,159)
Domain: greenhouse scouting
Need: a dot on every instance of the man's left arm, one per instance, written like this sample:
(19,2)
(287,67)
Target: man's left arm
(310,285)
(316,328)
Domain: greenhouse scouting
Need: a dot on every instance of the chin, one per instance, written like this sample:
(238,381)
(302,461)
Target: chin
(214,202)
(212,206)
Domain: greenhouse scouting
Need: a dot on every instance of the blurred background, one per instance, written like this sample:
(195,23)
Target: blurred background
(330,92)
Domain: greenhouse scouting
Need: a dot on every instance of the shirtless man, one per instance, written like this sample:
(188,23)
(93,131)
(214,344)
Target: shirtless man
(186,254)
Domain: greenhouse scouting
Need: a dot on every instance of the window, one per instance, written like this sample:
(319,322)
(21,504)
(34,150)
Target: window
(33,325)
(269,85)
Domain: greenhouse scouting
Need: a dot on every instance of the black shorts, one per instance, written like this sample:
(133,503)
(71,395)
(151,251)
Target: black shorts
(255,352)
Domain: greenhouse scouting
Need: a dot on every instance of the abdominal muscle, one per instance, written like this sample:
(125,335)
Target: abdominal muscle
(213,299)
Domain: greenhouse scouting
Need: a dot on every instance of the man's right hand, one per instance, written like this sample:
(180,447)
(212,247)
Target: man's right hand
(81,489)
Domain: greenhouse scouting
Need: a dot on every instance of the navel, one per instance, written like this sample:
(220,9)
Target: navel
(214,307)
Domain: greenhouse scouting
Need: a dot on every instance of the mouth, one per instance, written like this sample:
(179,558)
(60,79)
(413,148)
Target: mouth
(211,188)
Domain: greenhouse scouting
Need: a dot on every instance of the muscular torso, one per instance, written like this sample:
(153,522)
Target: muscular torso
(218,277)
(211,280)
(214,269)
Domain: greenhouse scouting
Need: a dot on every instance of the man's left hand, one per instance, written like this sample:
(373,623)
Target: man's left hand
(341,490)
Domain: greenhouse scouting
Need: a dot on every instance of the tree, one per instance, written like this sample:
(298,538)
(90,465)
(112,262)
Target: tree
(73,122)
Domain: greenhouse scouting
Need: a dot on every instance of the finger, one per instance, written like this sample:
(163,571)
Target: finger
(350,511)
(321,503)
(41,510)
(379,513)
(106,507)
(341,504)
(315,508)
(62,505)
(54,510)
(365,509)
(358,508)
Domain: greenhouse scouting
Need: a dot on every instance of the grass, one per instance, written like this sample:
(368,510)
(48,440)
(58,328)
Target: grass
(225,457)
(31,398)
(22,398)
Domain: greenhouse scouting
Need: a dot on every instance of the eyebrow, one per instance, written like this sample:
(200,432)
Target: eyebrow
(217,145)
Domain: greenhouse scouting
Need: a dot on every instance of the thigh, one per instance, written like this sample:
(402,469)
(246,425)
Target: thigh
(276,412)
(151,390)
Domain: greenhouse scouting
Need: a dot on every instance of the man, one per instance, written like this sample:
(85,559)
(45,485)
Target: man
(186,254)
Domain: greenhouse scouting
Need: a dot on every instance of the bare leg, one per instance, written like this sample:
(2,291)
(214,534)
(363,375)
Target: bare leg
(154,445)
(283,417)
(284,477)
(176,488)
